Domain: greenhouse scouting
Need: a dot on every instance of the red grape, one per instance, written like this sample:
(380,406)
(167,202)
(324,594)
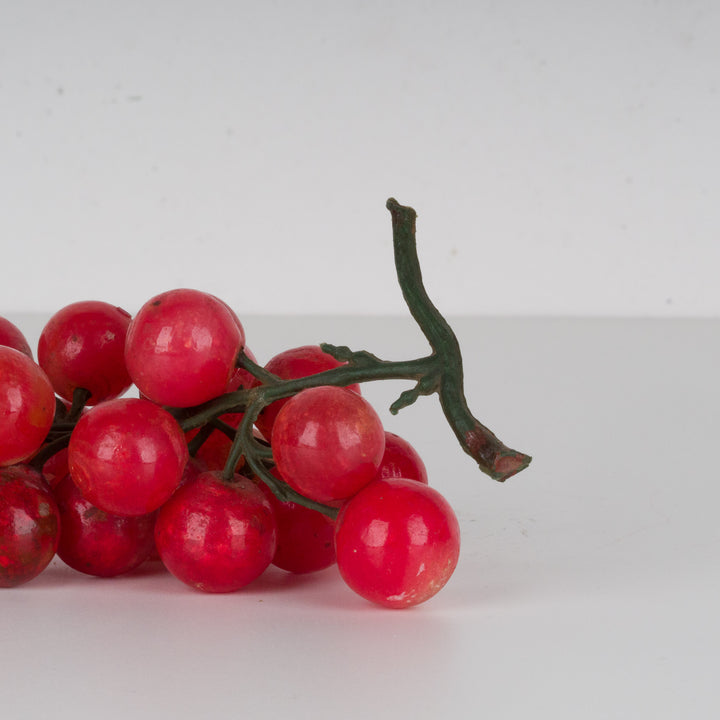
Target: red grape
(11,336)
(27,406)
(401,460)
(182,346)
(289,365)
(216,535)
(29,525)
(306,540)
(96,542)
(127,456)
(327,442)
(397,542)
(83,346)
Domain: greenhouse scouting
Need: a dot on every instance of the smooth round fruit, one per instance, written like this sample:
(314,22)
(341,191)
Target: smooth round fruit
(306,537)
(127,456)
(182,346)
(216,536)
(401,460)
(292,364)
(397,542)
(11,336)
(27,406)
(83,346)
(29,525)
(327,443)
(95,542)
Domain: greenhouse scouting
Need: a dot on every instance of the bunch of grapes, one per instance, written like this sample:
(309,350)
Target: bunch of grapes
(159,438)
(121,485)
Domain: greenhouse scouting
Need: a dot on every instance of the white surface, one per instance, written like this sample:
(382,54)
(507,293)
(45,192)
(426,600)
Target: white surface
(588,585)
(562,155)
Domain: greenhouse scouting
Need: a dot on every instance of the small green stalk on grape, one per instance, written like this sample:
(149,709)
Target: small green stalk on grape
(439,372)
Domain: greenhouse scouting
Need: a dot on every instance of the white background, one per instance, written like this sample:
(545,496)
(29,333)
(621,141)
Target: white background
(563,156)
(588,585)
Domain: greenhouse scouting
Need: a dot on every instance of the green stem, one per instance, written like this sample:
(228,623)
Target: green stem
(79,400)
(58,436)
(199,439)
(362,367)
(440,372)
(48,450)
(493,457)
(225,428)
(255,370)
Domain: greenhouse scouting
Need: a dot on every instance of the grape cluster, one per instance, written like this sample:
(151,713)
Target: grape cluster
(104,463)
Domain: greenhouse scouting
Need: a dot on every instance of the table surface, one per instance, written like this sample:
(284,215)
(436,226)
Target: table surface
(588,585)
